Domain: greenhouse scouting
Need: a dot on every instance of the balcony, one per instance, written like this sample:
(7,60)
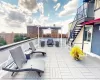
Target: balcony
(59,65)
(84,13)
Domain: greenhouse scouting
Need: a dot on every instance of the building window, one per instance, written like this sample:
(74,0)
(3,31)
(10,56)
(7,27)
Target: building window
(97,4)
(87,34)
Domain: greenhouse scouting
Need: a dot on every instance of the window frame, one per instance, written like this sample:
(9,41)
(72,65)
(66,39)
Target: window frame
(86,37)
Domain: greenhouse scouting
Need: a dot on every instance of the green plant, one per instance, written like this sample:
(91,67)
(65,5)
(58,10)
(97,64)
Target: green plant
(20,37)
(2,41)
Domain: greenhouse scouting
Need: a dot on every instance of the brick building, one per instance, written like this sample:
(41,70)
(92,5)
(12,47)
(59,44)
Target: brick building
(54,33)
(8,37)
(32,31)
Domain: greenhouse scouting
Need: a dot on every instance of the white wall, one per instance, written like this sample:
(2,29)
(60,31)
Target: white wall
(79,39)
(97,14)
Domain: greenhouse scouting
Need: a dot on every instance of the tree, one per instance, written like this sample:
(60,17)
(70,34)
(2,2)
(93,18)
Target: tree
(20,37)
(2,41)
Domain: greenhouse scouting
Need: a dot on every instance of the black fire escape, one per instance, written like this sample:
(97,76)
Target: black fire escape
(84,14)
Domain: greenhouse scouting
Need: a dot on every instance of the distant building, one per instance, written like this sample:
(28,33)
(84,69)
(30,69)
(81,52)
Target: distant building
(54,33)
(32,31)
(41,32)
(8,37)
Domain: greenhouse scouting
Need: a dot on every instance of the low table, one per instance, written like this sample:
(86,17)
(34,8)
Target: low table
(28,53)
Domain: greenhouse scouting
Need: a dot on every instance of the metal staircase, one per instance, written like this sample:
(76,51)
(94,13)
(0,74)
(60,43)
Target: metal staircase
(82,16)
(76,30)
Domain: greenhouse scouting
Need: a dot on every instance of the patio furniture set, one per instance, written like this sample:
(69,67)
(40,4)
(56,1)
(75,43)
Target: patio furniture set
(50,42)
(22,62)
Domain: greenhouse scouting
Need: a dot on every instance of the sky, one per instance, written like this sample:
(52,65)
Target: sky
(15,15)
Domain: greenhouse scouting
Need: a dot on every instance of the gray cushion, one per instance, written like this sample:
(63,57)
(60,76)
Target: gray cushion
(18,56)
(32,46)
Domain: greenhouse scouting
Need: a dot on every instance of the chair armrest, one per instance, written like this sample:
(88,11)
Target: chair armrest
(28,49)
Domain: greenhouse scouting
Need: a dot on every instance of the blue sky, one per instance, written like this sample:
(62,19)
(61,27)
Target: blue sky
(50,11)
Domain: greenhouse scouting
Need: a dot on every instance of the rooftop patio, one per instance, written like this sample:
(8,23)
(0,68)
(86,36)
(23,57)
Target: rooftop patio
(59,65)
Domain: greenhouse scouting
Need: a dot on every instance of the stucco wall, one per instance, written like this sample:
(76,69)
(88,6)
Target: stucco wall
(79,39)
(97,14)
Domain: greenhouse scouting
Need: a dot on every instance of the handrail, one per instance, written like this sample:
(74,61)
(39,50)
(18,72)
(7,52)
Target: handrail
(76,19)
(16,43)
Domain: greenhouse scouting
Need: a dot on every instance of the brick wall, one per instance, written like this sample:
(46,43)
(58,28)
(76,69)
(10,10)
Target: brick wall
(8,37)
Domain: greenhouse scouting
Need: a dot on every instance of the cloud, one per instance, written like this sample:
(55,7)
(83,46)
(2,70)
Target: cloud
(17,16)
(69,8)
(64,24)
(27,4)
(29,20)
(12,18)
(11,12)
(41,7)
(12,26)
(31,6)
(56,7)
(43,19)
(55,0)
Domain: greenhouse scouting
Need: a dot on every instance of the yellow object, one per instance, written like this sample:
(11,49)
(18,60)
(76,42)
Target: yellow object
(76,53)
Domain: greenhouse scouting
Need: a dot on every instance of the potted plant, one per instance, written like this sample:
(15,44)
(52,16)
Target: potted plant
(76,53)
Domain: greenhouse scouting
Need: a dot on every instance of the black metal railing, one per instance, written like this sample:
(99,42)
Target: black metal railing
(81,14)
(81,11)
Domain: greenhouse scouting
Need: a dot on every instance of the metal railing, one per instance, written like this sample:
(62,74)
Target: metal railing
(16,43)
(81,13)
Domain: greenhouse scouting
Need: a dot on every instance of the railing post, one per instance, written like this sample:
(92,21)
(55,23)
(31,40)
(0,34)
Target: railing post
(83,38)
(38,36)
(61,36)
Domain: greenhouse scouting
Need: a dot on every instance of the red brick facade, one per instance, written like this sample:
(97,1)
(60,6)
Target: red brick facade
(32,31)
(8,37)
